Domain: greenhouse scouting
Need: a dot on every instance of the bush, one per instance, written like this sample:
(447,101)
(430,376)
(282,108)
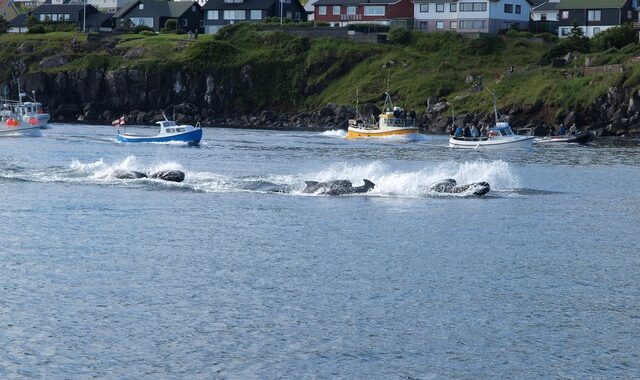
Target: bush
(548,37)
(518,34)
(147,33)
(142,28)
(170,26)
(618,37)
(37,29)
(400,36)
(487,45)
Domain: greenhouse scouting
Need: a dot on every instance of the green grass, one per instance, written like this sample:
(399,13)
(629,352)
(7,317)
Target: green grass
(272,69)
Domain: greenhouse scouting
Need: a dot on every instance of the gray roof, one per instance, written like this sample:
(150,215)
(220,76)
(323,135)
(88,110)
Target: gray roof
(548,6)
(63,8)
(156,8)
(19,20)
(99,18)
(354,2)
(246,4)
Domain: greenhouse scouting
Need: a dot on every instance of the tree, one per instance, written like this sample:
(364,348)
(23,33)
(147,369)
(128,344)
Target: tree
(4,25)
(399,36)
(616,37)
(576,33)
(170,26)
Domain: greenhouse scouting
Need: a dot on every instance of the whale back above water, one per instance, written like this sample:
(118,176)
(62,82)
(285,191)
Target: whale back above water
(337,187)
(450,186)
(166,175)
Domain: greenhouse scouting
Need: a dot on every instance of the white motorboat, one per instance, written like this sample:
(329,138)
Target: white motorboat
(19,118)
(500,136)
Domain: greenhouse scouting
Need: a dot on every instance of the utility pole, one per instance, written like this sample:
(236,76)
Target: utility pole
(281,5)
(84,17)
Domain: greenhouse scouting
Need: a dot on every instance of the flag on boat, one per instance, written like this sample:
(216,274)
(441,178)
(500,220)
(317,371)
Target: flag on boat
(118,122)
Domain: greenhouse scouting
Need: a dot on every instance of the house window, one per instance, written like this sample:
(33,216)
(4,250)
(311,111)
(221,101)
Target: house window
(54,17)
(424,8)
(322,10)
(508,8)
(564,31)
(471,24)
(374,10)
(289,15)
(42,17)
(543,17)
(453,7)
(185,22)
(518,9)
(233,1)
(440,7)
(234,15)
(473,7)
(594,15)
(256,14)
(66,17)
(423,25)
(439,24)
(336,9)
(453,25)
(193,8)
(141,6)
(201,23)
(596,31)
(565,15)
(212,15)
(351,10)
(629,15)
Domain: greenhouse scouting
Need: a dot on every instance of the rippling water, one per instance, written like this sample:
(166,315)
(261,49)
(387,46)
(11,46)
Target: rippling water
(235,273)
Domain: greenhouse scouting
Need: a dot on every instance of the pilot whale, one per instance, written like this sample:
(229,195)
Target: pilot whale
(337,187)
(450,186)
(167,175)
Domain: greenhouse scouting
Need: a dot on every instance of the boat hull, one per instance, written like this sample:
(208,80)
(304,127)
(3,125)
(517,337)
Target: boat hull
(191,137)
(582,138)
(355,133)
(20,131)
(515,142)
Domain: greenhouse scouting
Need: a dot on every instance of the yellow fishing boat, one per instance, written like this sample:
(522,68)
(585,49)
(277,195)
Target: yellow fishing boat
(392,121)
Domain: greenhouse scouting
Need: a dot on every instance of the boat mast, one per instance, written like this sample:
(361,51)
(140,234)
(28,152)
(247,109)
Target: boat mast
(495,100)
(388,103)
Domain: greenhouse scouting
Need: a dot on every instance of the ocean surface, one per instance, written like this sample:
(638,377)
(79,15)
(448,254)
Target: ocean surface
(235,273)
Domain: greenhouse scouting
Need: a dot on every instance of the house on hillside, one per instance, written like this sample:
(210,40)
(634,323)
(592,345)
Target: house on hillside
(8,10)
(66,13)
(594,16)
(155,13)
(544,17)
(472,16)
(219,13)
(344,12)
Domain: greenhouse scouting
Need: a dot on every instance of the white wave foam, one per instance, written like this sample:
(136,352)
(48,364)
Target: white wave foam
(335,133)
(102,170)
(391,182)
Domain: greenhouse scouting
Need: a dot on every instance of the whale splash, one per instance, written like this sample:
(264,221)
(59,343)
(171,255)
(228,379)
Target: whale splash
(388,181)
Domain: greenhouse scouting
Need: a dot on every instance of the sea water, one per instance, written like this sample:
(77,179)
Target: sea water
(236,273)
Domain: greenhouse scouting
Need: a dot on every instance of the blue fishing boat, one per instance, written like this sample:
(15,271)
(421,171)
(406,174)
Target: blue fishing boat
(169,131)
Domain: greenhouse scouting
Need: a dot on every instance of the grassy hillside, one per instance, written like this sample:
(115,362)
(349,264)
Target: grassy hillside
(288,71)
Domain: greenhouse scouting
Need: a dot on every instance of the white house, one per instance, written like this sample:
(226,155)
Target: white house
(471,16)
(547,11)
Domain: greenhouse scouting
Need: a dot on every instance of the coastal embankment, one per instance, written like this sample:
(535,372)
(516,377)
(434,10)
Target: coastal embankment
(247,78)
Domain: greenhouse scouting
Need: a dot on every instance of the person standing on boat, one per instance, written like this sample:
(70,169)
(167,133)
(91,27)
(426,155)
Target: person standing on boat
(412,114)
(562,131)
(467,131)
(474,132)
(458,132)
(573,130)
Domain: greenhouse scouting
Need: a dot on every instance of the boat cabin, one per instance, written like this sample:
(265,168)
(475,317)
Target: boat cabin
(501,129)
